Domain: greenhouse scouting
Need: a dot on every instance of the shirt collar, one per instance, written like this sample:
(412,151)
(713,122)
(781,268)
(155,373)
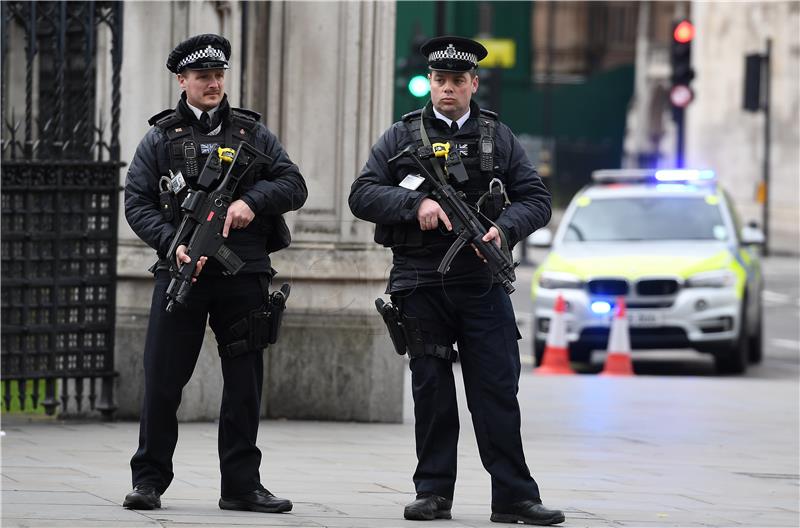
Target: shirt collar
(461,120)
(198,112)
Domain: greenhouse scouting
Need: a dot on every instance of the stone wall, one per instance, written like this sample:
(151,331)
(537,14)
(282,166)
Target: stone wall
(329,89)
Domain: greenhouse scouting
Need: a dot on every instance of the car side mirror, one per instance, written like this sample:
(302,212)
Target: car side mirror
(752,235)
(541,238)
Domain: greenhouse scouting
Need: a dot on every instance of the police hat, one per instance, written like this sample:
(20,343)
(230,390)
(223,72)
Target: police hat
(456,54)
(201,52)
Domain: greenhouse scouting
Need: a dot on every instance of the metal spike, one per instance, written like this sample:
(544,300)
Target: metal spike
(7,394)
(21,393)
(79,393)
(64,395)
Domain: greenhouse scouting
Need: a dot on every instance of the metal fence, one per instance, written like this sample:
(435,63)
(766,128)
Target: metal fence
(60,193)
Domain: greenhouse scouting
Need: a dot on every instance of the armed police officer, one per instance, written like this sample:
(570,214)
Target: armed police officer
(466,304)
(165,167)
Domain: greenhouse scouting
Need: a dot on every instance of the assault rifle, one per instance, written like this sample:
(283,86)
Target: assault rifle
(204,213)
(466,226)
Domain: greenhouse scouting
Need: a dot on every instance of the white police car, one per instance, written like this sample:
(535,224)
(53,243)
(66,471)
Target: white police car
(670,243)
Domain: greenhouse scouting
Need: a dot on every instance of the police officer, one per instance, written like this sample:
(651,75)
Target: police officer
(165,166)
(464,305)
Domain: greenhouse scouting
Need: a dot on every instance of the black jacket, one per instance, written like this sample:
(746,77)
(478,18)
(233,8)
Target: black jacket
(376,196)
(279,189)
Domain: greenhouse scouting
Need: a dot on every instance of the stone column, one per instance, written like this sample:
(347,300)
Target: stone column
(329,90)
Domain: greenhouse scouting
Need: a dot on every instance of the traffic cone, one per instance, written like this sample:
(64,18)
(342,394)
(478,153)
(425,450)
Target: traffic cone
(618,360)
(556,355)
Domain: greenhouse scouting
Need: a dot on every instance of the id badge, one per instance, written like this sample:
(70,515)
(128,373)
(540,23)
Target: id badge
(177,182)
(412,182)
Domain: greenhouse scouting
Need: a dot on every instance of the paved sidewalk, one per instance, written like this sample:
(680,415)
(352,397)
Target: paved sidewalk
(643,451)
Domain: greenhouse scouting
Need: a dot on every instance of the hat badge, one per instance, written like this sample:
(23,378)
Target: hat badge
(450,51)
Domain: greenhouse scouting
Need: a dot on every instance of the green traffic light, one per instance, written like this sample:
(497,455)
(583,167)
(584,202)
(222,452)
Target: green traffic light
(419,86)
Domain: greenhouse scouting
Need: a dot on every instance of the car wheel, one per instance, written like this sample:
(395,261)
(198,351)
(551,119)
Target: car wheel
(734,360)
(538,351)
(756,340)
(579,353)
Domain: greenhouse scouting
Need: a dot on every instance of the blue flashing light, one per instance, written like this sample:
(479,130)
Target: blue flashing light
(679,175)
(601,307)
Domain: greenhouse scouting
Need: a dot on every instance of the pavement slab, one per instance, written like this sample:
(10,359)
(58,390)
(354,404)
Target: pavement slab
(643,451)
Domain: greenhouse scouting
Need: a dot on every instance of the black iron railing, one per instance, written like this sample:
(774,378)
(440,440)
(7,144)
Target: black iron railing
(60,193)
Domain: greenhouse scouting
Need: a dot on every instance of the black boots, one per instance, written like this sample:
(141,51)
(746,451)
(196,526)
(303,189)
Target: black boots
(428,508)
(143,497)
(527,512)
(260,500)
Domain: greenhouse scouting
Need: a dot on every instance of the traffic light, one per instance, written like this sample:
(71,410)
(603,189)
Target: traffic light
(419,86)
(753,66)
(681,61)
(411,71)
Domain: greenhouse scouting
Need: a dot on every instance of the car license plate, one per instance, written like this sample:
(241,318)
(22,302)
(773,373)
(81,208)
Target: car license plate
(637,318)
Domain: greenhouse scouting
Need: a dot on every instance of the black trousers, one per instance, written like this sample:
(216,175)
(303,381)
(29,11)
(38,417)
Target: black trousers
(171,350)
(482,321)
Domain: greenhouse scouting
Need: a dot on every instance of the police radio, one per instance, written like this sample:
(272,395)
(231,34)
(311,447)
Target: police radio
(486,153)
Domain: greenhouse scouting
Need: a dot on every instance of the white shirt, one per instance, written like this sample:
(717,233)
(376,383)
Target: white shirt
(461,120)
(198,113)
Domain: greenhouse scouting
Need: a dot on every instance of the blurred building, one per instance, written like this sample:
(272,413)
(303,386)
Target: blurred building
(721,135)
(566,91)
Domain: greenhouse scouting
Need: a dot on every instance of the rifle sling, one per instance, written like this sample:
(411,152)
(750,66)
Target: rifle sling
(427,142)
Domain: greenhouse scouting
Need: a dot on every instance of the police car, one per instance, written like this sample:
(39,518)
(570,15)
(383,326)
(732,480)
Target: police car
(671,244)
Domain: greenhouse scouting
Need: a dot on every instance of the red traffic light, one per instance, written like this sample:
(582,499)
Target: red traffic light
(684,32)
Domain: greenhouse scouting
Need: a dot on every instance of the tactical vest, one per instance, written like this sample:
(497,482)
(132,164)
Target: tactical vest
(188,147)
(469,148)
(477,153)
(188,150)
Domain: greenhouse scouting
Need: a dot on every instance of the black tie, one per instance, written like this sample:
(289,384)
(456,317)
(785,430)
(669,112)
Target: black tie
(205,120)
(453,127)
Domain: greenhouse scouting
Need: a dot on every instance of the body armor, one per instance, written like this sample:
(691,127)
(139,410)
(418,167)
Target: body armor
(476,152)
(485,186)
(188,149)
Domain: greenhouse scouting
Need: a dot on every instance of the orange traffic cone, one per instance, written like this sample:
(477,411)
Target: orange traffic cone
(556,355)
(618,360)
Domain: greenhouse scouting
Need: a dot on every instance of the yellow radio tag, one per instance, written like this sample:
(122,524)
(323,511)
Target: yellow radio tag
(441,150)
(226,154)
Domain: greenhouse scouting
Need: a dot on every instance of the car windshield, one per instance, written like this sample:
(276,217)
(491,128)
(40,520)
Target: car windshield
(647,218)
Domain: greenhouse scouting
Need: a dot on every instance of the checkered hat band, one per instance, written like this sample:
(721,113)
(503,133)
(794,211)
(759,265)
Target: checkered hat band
(458,55)
(207,53)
